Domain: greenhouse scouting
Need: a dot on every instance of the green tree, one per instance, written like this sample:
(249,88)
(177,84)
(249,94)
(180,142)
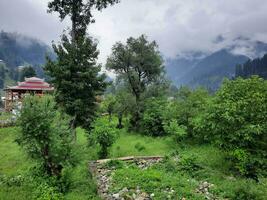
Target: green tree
(139,64)
(187,105)
(76,77)
(27,72)
(109,105)
(153,118)
(124,104)
(80,13)
(104,134)
(45,135)
(75,73)
(237,122)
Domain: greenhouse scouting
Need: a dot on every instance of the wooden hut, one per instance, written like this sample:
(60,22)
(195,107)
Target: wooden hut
(31,85)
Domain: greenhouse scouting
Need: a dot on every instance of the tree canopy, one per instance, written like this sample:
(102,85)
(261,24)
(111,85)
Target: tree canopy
(79,11)
(139,64)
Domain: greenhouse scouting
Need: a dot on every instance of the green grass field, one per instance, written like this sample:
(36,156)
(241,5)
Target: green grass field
(130,144)
(214,167)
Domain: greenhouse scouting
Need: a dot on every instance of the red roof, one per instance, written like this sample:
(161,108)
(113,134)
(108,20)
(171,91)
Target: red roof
(32,83)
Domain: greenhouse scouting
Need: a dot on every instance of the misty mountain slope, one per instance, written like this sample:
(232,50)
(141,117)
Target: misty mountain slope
(210,71)
(177,68)
(16,49)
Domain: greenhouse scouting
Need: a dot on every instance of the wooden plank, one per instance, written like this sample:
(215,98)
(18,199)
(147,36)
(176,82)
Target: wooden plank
(128,158)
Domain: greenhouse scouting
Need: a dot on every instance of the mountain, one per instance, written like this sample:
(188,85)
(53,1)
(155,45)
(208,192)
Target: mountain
(182,64)
(253,67)
(17,50)
(210,71)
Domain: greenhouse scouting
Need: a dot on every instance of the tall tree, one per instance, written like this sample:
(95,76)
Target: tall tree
(75,73)
(80,12)
(139,63)
(75,76)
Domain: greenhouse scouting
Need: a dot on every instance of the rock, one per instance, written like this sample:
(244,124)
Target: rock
(116,196)
(125,189)
(205,184)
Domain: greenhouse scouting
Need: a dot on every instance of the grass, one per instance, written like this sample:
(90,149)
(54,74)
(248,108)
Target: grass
(14,162)
(82,185)
(184,177)
(156,181)
(214,168)
(132,144)
(13,159)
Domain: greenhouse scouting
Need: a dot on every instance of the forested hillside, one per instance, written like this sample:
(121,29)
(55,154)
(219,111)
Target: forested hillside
(17,50)
(253,67)
(208,71)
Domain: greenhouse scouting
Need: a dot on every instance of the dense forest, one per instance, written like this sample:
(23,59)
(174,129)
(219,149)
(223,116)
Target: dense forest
(253,67)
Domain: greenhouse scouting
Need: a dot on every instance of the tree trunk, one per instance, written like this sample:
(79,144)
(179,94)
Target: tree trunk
(73,128)
(51,168)
(135,121)
(119,126)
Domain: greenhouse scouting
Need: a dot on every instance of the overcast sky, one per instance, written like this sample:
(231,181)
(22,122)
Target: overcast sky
(177,25)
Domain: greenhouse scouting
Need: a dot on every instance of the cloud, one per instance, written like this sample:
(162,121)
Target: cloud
(177,25)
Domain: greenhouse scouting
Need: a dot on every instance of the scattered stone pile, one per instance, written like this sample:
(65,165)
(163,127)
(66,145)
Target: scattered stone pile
(7,123)
(204,188)
(103,177)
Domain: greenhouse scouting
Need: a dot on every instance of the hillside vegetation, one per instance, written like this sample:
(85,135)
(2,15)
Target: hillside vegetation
(66,145)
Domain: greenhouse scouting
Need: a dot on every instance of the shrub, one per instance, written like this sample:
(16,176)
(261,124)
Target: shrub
(46,192)
(103,134)
(187,105)
(189,164)
(245,192)
(45,135)
(237,122)
(12,180)
(153,118)
(177,132)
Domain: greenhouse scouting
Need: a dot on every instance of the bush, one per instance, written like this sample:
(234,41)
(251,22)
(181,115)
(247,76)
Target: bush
(153,118)
(46,192)
(187,105)
(189,164)
(237,122)
(12,181)
(45,134)
(177,132)
(245,192)
(104,134)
